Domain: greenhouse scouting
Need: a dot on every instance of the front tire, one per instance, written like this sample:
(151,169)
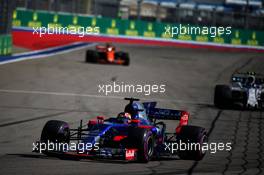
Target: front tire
(124,56)
(91,56)
(222,96)
(192,135)
(55,131)
(143,140)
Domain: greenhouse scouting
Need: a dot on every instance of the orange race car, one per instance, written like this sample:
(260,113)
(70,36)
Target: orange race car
(107,55)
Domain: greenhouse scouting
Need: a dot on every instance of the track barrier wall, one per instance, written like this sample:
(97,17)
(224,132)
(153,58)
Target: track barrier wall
(131,28)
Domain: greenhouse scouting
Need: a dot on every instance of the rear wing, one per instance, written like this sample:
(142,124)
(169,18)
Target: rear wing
(167,114)
(242,77)
(162,114)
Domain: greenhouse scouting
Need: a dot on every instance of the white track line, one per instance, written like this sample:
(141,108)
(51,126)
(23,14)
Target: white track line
(46,55)
(99,96)
(46,49)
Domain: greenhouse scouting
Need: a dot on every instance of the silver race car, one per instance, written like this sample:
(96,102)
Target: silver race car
(246,90)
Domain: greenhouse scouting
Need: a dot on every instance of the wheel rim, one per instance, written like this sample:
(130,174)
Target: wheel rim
(204,140)
(150,147)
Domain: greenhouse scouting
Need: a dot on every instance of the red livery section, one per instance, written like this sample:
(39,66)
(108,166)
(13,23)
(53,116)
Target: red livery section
(183,121)
(119,138)
(131,154)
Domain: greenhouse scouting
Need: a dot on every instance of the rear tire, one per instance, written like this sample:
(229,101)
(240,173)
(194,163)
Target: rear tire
(126,59)
(222,96)
(143,140)
(188,135)
(260,104)
(91,56)
(124,56)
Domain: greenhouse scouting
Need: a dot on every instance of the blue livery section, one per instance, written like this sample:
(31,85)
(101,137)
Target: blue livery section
(148,105)
(161,114)
(95,135)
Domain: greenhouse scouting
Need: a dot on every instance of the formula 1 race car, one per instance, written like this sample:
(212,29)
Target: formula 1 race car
(137,134)
(246,90)
(107,55)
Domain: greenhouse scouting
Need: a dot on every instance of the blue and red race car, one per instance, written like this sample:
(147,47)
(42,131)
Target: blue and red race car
(137,134)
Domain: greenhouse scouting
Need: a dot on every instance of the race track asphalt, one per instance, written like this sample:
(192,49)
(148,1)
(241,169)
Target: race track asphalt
(63,87)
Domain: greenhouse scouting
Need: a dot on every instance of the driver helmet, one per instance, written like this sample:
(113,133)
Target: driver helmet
(124,115)
(251,80)
(109,47)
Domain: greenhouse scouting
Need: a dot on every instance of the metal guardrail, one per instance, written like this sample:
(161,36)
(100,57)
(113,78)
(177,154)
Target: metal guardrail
(215,18)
